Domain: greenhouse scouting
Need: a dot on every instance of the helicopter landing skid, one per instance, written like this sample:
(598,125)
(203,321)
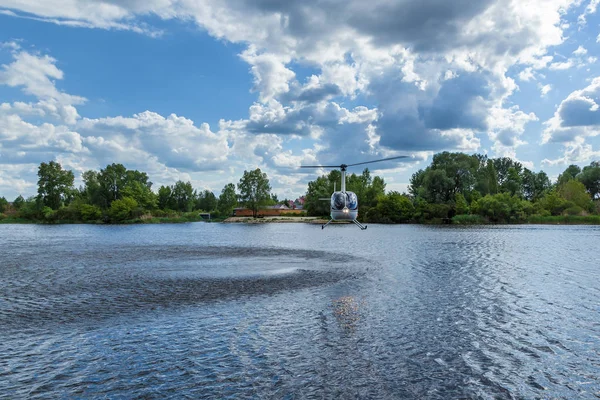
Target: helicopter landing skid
(361,226)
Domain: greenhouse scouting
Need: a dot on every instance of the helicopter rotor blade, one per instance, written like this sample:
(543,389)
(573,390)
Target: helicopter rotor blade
(319,166)
(374,161)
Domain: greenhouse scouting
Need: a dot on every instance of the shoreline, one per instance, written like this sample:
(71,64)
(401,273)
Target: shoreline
(552,220)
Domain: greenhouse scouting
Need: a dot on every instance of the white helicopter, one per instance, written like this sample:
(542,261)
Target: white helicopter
(344,205)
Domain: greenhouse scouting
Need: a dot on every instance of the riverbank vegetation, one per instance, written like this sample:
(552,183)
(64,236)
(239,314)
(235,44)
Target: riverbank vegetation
(118,195)
(472,189)
(455,188)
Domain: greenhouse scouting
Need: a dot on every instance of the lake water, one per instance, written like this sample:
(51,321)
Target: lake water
(292,311)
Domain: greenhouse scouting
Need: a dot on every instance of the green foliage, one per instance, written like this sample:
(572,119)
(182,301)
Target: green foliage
(321,188)
(590,177)
(182,195)
(575,192)
(461,206)
(504,208)
(141,193)
(31,209)
(255,191)
(90,212)
(391,208)
(227,200)
(535,186)
(121,210)
(165,199)
(18,202)
(3,204)
(55,185)
(206,201)
(569,174)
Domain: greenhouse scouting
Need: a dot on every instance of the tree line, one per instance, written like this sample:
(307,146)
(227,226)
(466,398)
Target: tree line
(464,188)
(117,194)
(455,187)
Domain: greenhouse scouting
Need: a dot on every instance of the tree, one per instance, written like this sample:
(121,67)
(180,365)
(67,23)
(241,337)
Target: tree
(392,207)
(374,191)
(438,187)
(502,166)
(535,185)
(227,200)
(92,192)
(575,192)
(569,174)
(111,180)
(55,185)
(255,190)
(3,204)
(206,201)
(183,196)
(487,179)
(141,193)
(512,183)
(590,177)
(18,202)
(321,188)
(165,198)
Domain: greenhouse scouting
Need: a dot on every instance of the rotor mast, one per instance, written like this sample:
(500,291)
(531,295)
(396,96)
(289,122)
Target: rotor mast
(343,168)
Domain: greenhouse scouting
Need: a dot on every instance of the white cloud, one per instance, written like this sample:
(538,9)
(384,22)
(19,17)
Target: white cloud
(580,51)
(544,89)
(576,119)
(589,10)
(36,75)
(575,152)
(173,140)
(527,74)
(559,66)
(426,89)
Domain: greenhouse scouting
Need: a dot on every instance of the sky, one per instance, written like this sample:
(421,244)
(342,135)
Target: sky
(202,90)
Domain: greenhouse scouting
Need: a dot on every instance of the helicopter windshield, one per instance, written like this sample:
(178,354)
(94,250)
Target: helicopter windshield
(352,201)
(341,200)
(338,201)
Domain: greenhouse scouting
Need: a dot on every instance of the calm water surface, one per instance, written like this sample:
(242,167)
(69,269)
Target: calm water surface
(292,311)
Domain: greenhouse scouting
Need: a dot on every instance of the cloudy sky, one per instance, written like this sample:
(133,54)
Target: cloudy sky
(202,90)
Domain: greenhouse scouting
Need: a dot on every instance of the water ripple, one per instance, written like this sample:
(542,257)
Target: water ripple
(290,311)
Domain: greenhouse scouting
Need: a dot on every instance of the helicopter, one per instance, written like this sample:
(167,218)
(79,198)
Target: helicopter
(344,205)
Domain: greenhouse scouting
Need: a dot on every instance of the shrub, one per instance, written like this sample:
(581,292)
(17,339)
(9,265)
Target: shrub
(575,210)
(121,210)
(90,212)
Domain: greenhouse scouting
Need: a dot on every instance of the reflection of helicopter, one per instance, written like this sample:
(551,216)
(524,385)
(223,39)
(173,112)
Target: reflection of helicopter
(344,205)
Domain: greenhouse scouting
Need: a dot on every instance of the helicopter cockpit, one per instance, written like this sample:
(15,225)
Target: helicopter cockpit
(341,200)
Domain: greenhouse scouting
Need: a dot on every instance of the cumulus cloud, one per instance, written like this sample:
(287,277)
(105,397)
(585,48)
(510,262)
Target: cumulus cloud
(576,119)
(577,116)
(422,76)
(35,75)
(173,140)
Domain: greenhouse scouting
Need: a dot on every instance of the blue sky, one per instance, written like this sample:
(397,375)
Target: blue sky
(201,91)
